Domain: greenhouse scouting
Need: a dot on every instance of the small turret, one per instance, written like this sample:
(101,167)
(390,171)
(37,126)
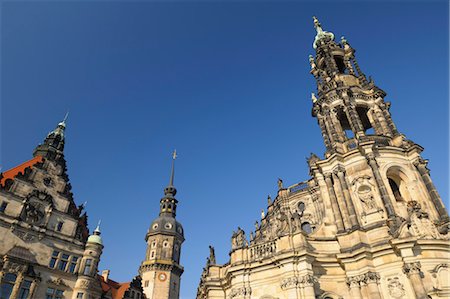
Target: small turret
(87,273)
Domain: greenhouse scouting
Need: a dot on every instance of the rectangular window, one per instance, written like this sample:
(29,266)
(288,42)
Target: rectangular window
(79,295)
(59,294)
(146,283)
(54,258)
(24,289)
(73,264)
(63,262)
(54,294)
(3,207)
(7,285)
(59,226)
(87,267)
(50,293)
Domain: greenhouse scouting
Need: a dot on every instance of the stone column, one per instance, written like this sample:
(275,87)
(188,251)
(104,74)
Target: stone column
(307,282)
(323,130)
(330,128)
(33,287)
(384,195)
(387,116)
(412,270)
(435,198)
(353,284)
(372,279)
(334,204)
(378,114)
(342,205)
(16,287)
(337,126)
(348,200)
(375,122)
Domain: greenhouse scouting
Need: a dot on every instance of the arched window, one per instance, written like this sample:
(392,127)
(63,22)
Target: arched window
(306,227)
(367,126)
(345,123)
(340,64)
(395,190)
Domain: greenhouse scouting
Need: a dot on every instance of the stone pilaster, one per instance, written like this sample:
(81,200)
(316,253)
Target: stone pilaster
(354,286)
(307,283)
(434,195)
(344,187)
(290,286)
(334,204)
(412,270)
(384,195)
(342,205)
(372,280)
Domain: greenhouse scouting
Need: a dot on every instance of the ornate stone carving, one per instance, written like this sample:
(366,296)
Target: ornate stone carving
(307,280)
(12,267)
(85,284)
(240,292)
(212,255)
(238,239)
(33,213)
(395,288)
(59,282)
(289,283)
(411,268)
(364,189)
(419,223)
(26,236)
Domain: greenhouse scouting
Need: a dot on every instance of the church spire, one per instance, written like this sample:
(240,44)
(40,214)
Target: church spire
(53,146)
(168,204)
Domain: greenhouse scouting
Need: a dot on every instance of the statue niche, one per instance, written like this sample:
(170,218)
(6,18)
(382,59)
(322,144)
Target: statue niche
(364,189)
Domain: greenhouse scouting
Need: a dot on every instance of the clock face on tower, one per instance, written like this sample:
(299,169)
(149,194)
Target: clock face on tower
(162,276)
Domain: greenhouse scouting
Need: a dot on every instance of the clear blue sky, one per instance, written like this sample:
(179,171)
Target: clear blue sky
(226,84)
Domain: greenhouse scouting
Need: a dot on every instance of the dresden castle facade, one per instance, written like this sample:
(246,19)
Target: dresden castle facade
(369,222)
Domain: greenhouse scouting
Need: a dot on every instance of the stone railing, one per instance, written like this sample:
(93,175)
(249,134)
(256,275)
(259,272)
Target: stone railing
(261,251)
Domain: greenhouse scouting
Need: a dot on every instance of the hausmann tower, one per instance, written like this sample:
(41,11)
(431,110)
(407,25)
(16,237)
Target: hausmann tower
(369,223)
(161,270)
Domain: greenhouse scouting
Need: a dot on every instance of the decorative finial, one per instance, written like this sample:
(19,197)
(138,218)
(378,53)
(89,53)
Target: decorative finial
(269,200)
(172,175)
(97,229)
(262,214)
(343,40)
(321,34)
(313,97)
(317,24)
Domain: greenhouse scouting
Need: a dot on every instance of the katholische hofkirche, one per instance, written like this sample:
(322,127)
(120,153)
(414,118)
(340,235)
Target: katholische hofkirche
(369,223)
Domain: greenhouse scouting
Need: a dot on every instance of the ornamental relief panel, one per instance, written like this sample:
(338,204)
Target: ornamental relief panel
(395,288)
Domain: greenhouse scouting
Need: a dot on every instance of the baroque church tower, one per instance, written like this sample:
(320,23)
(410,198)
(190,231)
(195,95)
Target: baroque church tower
(161,270)
(369,223)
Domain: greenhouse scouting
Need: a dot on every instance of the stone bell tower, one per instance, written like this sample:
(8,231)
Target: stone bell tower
(356,124)
(161,270)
